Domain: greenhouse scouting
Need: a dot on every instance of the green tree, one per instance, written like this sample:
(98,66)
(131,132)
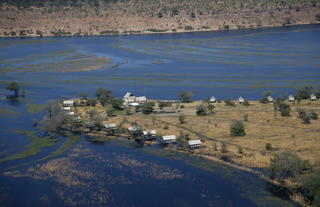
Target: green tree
(83,95)
(311,184)
(182,119)
(185,96)
(210,107)
(237,129)
(287,164)
(117,103)
(14,86)
(229,102)
(147,108)
(202,110)
(304,92)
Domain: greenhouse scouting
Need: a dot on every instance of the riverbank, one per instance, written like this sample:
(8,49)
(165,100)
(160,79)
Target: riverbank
(138,17)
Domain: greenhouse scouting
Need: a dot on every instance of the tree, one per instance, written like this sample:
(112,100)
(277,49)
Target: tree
(202,110)
(101,92)
(147,108)
(14,86)
(237,129)
(282,107)
(311,185)
(287,164)
(83,95)
(210,107)
(229,102)
(304,92)
(182,119)
(117,103)
(185,96)
(163,104)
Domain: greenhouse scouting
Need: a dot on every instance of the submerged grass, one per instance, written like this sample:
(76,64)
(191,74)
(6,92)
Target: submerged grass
(36,108)
(37,145)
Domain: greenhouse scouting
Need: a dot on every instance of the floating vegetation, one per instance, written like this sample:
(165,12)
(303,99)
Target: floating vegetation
(37,145)
(9,112)
(66,145)
(36,108)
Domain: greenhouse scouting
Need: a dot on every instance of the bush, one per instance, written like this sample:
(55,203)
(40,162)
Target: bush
(185,96)
(311,185)
(302,114)
(304,92)
(245,117)
(147,108)
(313,115)
(166,127)
(268,146)
(163,104)
(224,147)
(237,129)
(287,164)
(202,110)
(246,103)
(210,107)
(229,102)
(284,109)
(182,119)
(110,112)
(264,100)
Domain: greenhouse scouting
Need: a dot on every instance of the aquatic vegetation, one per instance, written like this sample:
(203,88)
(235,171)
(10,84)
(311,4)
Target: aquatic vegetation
(37,145)
(9,112)
(36,108)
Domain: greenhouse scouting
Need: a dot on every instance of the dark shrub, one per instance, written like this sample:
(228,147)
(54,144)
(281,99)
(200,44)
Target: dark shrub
(202,110)
(237,129)
(147,108)
(229,102)
(185,96)
(268,146)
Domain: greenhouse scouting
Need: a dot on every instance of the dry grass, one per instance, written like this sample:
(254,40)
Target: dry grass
(263,126)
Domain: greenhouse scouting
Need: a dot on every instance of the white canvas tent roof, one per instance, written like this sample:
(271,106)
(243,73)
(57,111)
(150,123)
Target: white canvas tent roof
(169,138)
(111,125)
(194,142)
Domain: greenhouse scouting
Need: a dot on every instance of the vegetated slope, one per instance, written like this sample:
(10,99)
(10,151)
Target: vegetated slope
(86,17)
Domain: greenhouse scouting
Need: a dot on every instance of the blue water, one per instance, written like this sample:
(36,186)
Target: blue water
(225,64)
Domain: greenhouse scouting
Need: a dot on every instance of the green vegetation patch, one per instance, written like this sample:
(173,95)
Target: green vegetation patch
(37,145)
(36,108)
(66,145)
(9,112)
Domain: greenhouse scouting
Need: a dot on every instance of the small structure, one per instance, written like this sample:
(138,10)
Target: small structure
(133,104)
(127,95)
(149,134)
(291,98)
(313,97)
(111,128)
(71,113)
(169,139)
(241,100)
(212,99)
(270,99)
(194,143)
(68,103)
(66,109)
(141,99)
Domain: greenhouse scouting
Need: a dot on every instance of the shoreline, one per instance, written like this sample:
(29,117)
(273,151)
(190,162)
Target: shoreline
(166,32)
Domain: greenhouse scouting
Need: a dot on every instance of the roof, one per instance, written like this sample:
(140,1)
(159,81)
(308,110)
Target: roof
(270,98)
(141,98)
(127,95)
(145,133)
(132,129)
(195,142)
(111,125)
(291,97)
(134,104)
(153,132)
(212,98)
(66,108)
(169,137)
(68,102)
(70,113)
(241,99)
(312,96)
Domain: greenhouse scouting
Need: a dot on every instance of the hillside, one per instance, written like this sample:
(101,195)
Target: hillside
(102,17)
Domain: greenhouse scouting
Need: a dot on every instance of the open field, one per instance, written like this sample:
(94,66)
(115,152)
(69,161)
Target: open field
(264,126)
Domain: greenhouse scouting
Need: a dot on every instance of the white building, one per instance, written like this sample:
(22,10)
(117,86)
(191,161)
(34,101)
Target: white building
(270,99)
(68,103)
(194,143)
(291,98)
(212,99)
(241,100)
(169,139)
(313,97)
